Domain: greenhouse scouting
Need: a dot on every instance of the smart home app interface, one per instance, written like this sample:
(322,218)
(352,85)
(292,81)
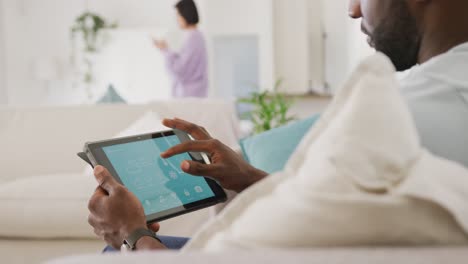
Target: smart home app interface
(158,183)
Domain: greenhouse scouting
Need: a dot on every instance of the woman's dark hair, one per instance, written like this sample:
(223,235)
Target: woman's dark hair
(188,10)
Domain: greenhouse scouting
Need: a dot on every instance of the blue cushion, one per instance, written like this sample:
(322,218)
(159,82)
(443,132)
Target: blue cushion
(271,150)
(111,97)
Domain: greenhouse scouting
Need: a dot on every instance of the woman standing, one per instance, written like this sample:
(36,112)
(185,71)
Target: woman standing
(188,67)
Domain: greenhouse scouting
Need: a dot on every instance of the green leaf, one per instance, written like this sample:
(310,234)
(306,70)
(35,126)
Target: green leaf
(270,108)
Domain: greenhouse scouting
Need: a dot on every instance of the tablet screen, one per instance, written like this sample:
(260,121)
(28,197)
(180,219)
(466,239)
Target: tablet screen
(160,184)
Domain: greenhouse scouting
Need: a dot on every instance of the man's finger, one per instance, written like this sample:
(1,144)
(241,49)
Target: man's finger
(189,146)
(105,179)
(154,227)
(199,169)
(197,132)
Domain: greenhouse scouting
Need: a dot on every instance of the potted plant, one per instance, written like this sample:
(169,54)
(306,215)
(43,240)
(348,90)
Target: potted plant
(270,109)
(90,27)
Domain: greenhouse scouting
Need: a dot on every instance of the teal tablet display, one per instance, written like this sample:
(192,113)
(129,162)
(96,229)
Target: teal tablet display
(160,184)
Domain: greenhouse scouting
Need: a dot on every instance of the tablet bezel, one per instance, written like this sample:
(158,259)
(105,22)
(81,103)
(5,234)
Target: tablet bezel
(95,153)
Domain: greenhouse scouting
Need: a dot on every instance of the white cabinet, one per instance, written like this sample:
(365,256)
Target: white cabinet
(244,22)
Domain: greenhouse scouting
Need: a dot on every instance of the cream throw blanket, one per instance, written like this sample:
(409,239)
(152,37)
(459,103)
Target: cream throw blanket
(360,177)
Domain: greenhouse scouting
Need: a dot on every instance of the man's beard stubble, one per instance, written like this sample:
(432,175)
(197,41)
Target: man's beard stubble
(398,37)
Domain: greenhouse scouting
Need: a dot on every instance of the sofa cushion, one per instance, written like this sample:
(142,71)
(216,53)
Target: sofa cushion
(47,138)
(271,150)
(149,122)
(359,178)
(55,206)
(49,206)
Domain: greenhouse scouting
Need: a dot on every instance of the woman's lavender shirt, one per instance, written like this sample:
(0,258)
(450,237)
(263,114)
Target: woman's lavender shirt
(189,67)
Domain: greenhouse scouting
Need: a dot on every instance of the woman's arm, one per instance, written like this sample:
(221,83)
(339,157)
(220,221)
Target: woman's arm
(178,63)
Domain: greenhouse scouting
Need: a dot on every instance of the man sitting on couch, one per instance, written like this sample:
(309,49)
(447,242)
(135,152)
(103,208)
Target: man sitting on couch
(432,34)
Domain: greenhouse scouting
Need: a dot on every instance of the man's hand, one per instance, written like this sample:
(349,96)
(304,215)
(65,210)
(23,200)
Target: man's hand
(228,168)
(115,212)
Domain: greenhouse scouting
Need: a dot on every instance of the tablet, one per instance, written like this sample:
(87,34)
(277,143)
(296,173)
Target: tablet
(164,190)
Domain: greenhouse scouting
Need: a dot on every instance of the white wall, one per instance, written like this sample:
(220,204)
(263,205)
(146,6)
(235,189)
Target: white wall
(345,45)
(38,30)
(298,45)
(35,30)
(336,53)
(316,42)
(358,47)
(291,43)
(3,92)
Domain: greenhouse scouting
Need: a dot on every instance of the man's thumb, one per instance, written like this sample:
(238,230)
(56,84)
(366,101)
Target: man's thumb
(105,179)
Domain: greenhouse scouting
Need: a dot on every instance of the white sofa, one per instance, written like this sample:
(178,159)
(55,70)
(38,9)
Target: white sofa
(44,141)
(43,184)
(315,256)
